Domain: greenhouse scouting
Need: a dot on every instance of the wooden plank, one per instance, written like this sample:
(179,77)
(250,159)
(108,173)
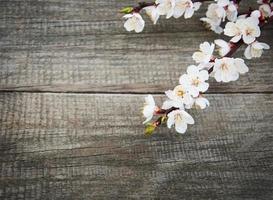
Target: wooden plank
(57,17)
(72,146)
(119,64)
(81,46)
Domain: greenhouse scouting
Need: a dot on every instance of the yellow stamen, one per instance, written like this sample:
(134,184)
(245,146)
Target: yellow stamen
(195,82)
(180,93)
(224,66)
(178,117)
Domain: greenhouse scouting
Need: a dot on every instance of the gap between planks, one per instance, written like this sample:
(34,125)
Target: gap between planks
(121,93)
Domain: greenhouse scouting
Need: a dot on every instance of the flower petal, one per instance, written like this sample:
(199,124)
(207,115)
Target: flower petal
(170,120)
(193,91)
(140,25)
(192,70)
(202,102)
(181,127)
(247,52)
(248,39)
(188,117)
(202,87)
(203,75)
(129,25)
(240,65)
(230,29)
(199,57)
(236,38)
(196,5)
(184,80)
(148,119)
(189,12)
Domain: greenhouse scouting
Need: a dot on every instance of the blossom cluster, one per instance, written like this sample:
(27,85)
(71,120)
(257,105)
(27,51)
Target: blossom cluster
(192,86)
(169,8)
(223,68)
(186,95)
(211,60)
(218,12)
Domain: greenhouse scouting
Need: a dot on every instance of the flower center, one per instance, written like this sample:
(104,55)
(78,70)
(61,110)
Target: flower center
(178,117)
(180,93)
(187,4)
(224,66)
(169,4)
(249,31)
(195,82)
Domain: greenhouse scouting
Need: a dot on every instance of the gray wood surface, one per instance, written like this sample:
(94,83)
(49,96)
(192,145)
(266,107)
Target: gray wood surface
(82,145)
(61,146)
(81,46)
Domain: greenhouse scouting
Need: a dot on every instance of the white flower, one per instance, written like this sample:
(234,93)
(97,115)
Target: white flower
(224,70)
(152,12)
(240,66)
(228,69)
(223,3)
(234,30)
(255,49)
(185,6)
(172,104)
(224,47)
(255,14)
(165,7)
(195,80)
(213,24)
(199,102)
(205,66)
(216,11)
(231,12)
(149,108)
(180,119)
(248,29)
(175,100)
(244,16)
(266,10)
(134,22)
(180,95)
(205,53)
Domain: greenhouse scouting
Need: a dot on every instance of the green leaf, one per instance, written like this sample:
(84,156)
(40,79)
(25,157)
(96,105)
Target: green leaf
(149,129)
(126,10)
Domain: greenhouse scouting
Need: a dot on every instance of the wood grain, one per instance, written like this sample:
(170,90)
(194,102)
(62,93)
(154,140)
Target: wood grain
(91,146)
(81,46)
(81,146)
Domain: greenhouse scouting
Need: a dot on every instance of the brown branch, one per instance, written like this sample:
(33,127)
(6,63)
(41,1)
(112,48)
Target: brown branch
(142,5)
(163,112)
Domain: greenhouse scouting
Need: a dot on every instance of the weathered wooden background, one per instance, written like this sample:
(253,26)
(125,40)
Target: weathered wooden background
(72,84)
